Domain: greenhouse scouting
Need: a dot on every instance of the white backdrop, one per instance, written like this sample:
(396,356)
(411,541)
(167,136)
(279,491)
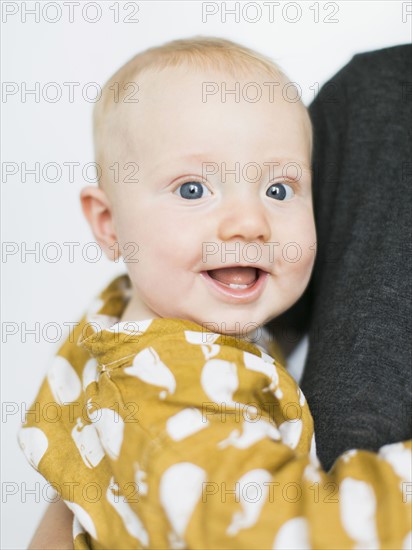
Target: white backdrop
(310,40)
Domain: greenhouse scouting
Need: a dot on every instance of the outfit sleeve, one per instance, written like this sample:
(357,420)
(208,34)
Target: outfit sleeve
(220,446)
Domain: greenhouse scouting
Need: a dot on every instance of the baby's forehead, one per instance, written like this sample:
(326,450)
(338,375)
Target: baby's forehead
(208,110)
(239,85)
(160,94)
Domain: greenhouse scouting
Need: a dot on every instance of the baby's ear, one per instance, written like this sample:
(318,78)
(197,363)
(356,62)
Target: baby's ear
(98,212)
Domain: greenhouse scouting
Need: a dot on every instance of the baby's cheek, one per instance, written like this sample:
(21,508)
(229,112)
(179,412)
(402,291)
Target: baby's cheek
(296,257)
(304,249)
(300,270)
(297,244)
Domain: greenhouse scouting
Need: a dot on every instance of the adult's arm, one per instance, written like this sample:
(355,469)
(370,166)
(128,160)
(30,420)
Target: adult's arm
(55,530)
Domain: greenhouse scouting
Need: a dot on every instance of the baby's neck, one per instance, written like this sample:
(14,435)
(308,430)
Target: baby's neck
(134,312)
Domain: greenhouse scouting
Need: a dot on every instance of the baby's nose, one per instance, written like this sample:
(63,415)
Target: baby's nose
(246,220)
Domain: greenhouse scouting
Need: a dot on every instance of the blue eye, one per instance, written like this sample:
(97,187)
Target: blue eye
(191,190)
(280,191)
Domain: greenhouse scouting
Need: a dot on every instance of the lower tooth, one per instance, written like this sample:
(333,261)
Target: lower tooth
(237,286)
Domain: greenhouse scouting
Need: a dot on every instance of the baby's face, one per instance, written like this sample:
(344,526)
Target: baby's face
(214,177)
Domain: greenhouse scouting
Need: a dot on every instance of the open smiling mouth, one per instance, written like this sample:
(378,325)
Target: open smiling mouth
(238,284)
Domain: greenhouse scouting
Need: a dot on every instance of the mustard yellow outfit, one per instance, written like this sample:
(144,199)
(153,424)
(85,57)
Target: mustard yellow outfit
(161,434)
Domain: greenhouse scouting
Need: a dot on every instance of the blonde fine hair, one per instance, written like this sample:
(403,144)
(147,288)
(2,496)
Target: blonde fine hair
(199,52)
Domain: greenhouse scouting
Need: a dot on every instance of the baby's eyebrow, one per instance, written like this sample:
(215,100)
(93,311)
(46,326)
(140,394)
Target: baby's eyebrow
(211,157)
(284,161)
(188,157)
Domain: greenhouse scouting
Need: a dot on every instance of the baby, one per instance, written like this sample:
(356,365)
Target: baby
(179,427)
(214,172)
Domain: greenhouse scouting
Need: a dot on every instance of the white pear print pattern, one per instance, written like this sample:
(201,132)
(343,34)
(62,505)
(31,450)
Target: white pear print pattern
(33,443)
(251,490)
(293,535)
(186,480)
(206,340)
(301,396)
(185,423)
(311,473)
(132,523)
(400,458)
(110,427)
(358,512)
(346,457)
(407,542)
(90,373)
(77,528)
(252,432)
(63,381)
(291,431)
(253,362)
(83,517)
(87,442)
(219,381)
(148,367)
(266,357)
(197,337)
(313,456)
(140,477)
